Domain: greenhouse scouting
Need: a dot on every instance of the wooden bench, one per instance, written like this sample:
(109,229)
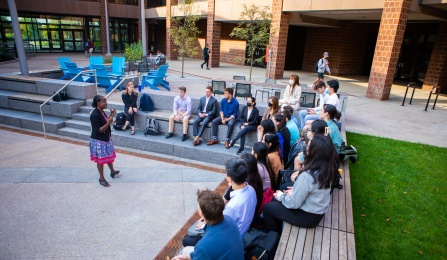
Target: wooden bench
(333,238)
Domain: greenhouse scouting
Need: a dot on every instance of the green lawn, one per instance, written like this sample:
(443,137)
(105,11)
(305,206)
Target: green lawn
(399,197)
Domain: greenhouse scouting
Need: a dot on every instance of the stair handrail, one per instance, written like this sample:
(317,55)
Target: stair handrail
(85,72)
(117,85)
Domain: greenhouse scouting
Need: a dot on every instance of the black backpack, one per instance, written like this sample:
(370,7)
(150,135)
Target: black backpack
(317,65)
(146,103)
(151,127)
(120,121)
(263,247)
(61,96)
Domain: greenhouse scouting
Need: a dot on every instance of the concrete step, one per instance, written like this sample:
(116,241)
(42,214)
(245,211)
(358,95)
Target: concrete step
(216,154)
(77,124)
(30,121)
(81,117)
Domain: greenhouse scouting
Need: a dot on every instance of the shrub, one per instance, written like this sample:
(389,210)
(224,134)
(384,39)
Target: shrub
(133,51)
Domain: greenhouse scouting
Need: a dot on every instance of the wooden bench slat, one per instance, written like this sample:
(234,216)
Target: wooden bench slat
(342,247)
(349,214)
(334,244)
(335,208)
(350,245)
(328,215)
(316,250)
(283,242)
(342,202)
(290,248)
(299,247)
(326,244)
(307,251)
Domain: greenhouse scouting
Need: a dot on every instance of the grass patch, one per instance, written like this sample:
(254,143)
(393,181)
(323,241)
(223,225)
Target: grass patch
(399,197)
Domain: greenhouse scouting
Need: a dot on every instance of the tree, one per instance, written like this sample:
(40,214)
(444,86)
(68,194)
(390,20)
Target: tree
(185,33)
(255,30)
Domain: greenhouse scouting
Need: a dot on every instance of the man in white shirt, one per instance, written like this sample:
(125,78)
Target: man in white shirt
(182,111)
(333,97)
(312,113)
(206,112)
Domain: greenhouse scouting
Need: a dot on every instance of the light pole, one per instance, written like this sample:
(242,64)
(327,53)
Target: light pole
(143,28)
(107,29)
(18,38)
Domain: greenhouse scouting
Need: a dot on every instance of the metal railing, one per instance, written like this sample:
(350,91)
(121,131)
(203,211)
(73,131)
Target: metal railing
(85,73)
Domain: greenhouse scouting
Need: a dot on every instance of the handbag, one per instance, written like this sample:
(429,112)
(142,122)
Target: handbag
(284,176)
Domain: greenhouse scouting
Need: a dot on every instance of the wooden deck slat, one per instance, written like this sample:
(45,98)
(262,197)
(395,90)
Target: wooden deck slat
(342,247)
(283,242)
(335,208)
(307,250)
(316,250)
(328,215)
(342,202)
(290,248)
(334,244)
(350,245)
(326,244)
(299,247)
(349,214)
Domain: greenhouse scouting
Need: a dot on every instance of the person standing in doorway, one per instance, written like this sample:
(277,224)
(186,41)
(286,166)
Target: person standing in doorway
(90,47)
(86,46)
(206,56)
(322,65)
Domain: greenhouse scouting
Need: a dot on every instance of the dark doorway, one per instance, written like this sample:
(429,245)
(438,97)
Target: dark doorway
(295,48)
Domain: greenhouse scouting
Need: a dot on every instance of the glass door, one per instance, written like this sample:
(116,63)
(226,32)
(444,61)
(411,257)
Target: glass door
(73,40)
(55,40)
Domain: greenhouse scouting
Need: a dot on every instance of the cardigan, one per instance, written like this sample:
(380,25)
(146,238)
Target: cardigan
(129,100)
(97,120)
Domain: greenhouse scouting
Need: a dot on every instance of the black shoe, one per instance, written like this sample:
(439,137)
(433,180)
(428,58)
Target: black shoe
(104,183)
(239,152)
(112,174)
(208,68)
(169,135)
(184,138)
(201,66)
(232,143)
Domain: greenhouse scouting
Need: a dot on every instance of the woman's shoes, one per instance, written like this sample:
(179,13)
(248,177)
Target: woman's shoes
(112,174)
(125,127)
(104,183)
(132,132)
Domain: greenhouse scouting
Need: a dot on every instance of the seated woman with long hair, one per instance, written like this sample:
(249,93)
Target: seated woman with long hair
(283,134)
(266,126)
(130,97)
(273,108)
(260,151)
(305,204)
(274,153)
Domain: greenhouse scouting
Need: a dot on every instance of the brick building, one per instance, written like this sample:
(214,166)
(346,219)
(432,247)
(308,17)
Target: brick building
(385,39)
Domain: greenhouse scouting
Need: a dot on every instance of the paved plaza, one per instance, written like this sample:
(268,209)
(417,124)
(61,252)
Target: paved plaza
(51,205)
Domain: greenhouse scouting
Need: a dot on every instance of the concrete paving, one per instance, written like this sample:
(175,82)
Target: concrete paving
(51,205)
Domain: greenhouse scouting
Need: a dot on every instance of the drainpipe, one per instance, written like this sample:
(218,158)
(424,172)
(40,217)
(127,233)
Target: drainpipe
(18,38)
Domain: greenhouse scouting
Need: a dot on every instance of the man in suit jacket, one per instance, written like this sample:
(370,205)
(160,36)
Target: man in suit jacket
(249,123)
(206,112)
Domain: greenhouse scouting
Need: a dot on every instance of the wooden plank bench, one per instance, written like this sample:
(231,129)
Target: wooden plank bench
(333,238)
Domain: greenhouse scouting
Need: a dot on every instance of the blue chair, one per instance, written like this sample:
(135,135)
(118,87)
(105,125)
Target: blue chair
(62,61)
(156,79)
(105,79)
(73,70)
(118,66)
(96,60)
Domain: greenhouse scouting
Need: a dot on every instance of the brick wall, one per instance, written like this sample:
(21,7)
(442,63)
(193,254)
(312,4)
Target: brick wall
(102,27)
(346,46)
(280,27)
(170,53)
(437,68)
(389,41)
(232,50)
(213,34)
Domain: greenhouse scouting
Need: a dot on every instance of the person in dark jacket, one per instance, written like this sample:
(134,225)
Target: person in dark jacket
(248,119)
(283,134)
(101,145)
(130,97)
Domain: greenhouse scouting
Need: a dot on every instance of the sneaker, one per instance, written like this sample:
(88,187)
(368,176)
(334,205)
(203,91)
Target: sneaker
(240,151)
(169,135)
(201,66)
(208,68)
(184,138)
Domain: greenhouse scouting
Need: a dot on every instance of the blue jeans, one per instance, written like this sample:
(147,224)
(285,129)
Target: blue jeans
(241,134)
(218,121)
(304,117)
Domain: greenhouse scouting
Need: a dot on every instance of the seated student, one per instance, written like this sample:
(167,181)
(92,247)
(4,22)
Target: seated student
(130,97)
(182,111)
(158,58)
(305,204)
(294,119)
(260,151)
(229,109)
(283,134)
(274,153)
(312,113)
(248,119)
(327,114)
(206,112)
(222,239)
(318,127)
(293,129)
(273,108)
(292,93)
(266,126)
(242,204)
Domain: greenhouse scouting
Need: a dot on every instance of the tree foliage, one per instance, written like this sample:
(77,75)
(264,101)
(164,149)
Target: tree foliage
(255,30)
(185,33)
(133,51)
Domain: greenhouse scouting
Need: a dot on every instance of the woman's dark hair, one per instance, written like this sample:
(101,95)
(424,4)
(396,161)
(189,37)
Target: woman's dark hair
(211,205)
(268,126)
(273,141)
(322,161)
(253,100)
(95,100)
(331,110)
(281,119)
(275,104)
(261,150)
(318,126)
(253,177)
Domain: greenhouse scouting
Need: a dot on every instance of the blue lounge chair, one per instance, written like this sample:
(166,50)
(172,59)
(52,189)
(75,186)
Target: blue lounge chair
(118,66)
(96,60)
(63,67)
(73,70)
(157,79)
(105,79)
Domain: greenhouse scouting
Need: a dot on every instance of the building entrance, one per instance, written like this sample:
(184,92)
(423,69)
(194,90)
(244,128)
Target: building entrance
(73,39)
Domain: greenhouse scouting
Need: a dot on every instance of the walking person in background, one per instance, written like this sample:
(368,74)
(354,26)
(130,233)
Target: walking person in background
(86,47)
(130,97)
(322,65)
(91,45)
(101,146)
(206,56)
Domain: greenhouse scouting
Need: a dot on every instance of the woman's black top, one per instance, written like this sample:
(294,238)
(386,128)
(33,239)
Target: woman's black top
(129,100)
(285,133)
(97,120)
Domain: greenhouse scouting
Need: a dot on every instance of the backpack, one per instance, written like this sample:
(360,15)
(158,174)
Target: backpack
(146,103)
(61,96)
(297,147)
(120,121)
(262,247)
(56,98)
(151,127)
(336,181)
(317,65)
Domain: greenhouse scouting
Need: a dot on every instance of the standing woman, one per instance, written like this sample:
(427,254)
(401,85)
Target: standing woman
(101,146)
(305,204)
(130,97)
(273,108)
(292,94)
